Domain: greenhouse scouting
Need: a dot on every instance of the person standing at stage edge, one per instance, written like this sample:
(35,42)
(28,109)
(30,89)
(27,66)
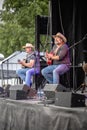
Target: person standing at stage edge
(60,60)
(30,65)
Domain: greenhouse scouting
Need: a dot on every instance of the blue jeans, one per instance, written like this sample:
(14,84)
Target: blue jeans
(52,72)
(26,74)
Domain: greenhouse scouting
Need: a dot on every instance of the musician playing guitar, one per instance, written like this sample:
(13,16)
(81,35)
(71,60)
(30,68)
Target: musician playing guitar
(52,54)
(30,66)
(60,60)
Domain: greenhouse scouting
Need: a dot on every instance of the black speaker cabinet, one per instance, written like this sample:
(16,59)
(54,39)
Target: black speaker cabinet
(69,99)
(17,92)
(50,90)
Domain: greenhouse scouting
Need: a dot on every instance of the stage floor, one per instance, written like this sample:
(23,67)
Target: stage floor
(30,114)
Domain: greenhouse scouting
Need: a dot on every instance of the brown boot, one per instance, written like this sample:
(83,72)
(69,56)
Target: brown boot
(26,88)
(32,93)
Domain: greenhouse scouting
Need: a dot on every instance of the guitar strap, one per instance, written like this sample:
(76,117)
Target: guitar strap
(29,56)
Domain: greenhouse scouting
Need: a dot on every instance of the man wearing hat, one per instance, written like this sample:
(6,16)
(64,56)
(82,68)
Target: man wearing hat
(60,60)
(30,65)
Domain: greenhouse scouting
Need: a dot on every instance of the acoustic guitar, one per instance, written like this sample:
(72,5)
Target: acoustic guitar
(50,61)
(52,53)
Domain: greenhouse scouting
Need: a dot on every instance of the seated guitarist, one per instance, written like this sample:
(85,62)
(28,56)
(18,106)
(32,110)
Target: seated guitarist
(60,60)
(30,66)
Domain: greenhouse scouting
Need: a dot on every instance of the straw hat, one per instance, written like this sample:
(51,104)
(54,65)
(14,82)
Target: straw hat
(28,45)
(60,35)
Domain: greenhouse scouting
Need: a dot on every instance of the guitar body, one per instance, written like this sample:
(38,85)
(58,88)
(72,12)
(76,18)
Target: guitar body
(49,55)
(49,62)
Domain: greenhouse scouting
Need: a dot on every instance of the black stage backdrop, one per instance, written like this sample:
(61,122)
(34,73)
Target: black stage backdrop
(69,18)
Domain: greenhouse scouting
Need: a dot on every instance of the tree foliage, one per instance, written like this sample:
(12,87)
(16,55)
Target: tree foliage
(18,23)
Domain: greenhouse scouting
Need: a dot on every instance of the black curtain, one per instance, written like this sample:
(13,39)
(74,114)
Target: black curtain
(69,18)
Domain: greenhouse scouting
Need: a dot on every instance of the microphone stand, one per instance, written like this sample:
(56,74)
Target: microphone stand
(73,46)
(85,37)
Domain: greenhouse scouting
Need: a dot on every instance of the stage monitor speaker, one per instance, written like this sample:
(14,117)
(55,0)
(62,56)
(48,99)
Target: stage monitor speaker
(17,92)
(69,99)
(50,90)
